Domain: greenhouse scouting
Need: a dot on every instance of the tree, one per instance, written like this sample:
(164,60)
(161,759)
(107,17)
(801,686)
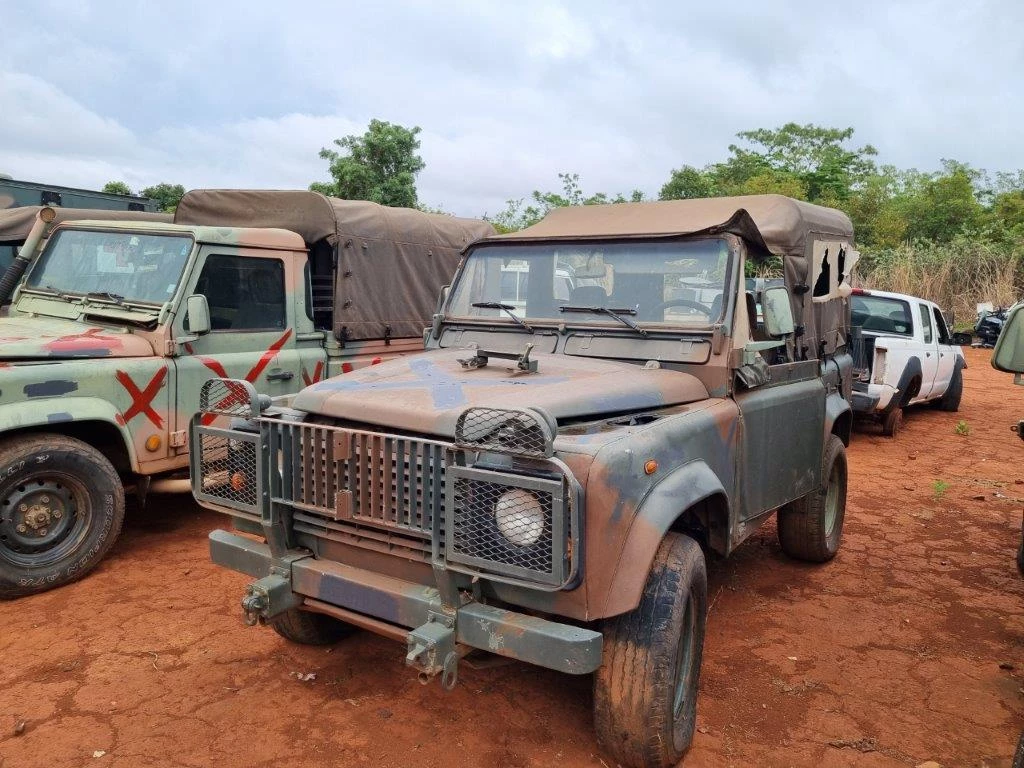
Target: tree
(381,165)
(117,188)
(167,195)
(518,216)
(688,182)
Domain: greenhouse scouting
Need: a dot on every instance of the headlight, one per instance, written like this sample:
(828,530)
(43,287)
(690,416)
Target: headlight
(520,517)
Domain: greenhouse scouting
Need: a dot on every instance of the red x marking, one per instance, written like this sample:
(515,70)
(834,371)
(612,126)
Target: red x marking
(317,373)
(142,400)
(251,376)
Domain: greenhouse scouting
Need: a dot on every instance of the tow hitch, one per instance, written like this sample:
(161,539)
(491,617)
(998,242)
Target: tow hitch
(432,650)
(266,598)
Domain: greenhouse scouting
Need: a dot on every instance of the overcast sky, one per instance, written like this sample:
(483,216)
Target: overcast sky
(244,94)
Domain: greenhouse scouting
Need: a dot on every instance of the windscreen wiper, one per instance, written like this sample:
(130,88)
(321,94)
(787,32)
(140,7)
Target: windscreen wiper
(106,296)
(507,308)
(57,292)
(618,314)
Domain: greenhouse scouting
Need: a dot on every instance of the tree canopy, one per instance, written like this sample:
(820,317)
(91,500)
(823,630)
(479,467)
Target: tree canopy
(167,195)
(117,188)
(381,165)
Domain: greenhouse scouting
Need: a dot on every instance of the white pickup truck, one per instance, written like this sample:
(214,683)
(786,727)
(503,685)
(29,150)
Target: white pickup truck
(904,356)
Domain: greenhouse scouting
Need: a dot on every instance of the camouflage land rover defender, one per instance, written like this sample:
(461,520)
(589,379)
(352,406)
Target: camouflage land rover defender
(539,483)
(116,324)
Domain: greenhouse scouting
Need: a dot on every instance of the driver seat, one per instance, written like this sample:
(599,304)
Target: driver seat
(587,296)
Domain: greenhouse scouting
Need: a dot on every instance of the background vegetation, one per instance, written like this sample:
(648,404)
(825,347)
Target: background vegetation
(955,235)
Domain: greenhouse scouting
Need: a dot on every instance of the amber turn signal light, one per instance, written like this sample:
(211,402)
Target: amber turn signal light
(650,466)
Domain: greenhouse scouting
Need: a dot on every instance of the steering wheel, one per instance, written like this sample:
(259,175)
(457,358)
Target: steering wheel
(660,308)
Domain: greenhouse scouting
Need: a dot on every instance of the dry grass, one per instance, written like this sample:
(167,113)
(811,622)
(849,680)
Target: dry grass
(956,276)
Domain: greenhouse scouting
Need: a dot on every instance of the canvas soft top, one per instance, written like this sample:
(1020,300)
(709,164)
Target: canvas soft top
(780,224)
(15,223)
(768,223)
(392,262)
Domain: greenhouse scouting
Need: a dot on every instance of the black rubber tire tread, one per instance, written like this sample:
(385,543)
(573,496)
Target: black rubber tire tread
(308,628)
(892,422)
(801,523)
(1020,557)
(1018,755)
(106,494)
(634,689)
(950,401)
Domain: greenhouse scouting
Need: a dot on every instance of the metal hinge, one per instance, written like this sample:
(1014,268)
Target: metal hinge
(179,439)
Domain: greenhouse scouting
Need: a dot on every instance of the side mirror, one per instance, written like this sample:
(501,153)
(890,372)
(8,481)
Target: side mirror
(197,314)
(778,311)
(441,299)
(1008,355)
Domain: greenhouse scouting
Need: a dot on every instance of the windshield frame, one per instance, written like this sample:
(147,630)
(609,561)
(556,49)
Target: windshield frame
(82,297)
(602,323)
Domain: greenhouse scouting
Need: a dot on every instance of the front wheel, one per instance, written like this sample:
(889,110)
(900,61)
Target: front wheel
(308,628)
(645,693)
(61,510)
(811,528)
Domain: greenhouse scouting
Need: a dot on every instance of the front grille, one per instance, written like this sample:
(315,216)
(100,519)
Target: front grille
(347,483)
(509,524)
(224,468)
(500,430)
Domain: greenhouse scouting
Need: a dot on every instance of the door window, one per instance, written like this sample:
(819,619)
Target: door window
(926,323)
(244,293)
(940,327)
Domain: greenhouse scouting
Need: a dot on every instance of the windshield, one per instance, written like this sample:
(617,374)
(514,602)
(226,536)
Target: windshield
(671,283)
(129,267)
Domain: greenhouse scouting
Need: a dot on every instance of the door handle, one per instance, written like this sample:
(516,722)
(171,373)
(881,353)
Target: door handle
(280,376)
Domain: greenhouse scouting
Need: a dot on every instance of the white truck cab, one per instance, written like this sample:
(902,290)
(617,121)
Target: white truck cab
(905,356)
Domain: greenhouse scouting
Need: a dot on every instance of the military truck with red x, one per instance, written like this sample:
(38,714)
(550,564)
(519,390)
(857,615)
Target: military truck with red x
(115,325)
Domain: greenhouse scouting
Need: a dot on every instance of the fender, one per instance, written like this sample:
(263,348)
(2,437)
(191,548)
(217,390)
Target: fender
(913,369)
(837,407)
(660,508)
(54,411)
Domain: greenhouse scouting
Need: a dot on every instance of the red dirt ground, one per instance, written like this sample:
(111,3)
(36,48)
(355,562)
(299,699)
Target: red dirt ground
(906,648)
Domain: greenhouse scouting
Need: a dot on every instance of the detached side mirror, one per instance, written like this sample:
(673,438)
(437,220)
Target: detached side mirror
(197,314)
(1008,355)
(778,311)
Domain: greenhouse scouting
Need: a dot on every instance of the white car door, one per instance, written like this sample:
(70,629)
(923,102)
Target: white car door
(947,354)
(929,352)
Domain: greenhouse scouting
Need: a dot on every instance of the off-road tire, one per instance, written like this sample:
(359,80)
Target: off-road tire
(1018,755)
(47,474)
(645,693)
(811,528)
(892,422)
(1020,557)
(308,628)
(950,401)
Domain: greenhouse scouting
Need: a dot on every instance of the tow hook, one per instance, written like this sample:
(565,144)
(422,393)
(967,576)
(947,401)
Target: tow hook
(266,598)
(432,650)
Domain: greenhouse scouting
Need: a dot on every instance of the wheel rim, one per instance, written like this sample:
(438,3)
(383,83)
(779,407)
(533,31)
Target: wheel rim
(681,702)
(43,518)
(832,501)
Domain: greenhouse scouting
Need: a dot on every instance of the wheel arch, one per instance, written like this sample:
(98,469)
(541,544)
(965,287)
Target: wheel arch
(838,417)
(691,500)
(89,419)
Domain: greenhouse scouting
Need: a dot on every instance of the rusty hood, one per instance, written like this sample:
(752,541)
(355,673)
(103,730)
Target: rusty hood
(36,338)
(427,392)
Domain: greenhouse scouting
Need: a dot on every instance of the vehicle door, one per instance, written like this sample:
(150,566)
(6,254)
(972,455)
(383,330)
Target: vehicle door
(259,330)
(929,352)
(946,353)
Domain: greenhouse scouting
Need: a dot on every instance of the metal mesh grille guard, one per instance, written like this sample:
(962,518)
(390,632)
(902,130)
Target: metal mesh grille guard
(225,469)
(521,433)
(229,397)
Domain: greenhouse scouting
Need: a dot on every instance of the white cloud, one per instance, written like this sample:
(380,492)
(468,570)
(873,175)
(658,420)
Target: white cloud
(508,95)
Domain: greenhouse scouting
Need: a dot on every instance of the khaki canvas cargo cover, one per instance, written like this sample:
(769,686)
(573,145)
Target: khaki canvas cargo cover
(780,225)
(392,262)
(15,223)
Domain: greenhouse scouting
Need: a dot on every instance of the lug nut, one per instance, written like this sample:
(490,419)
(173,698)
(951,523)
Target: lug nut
(42,531)
(56,514)
(45,499)
(22,529)
(23,508)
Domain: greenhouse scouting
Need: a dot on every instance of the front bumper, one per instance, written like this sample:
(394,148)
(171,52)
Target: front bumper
(390,605)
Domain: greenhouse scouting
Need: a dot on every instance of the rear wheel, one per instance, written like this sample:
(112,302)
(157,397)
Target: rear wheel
(950,401)
(892,422)
(812,527)
(308,628)
(645,693)
(61,510)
